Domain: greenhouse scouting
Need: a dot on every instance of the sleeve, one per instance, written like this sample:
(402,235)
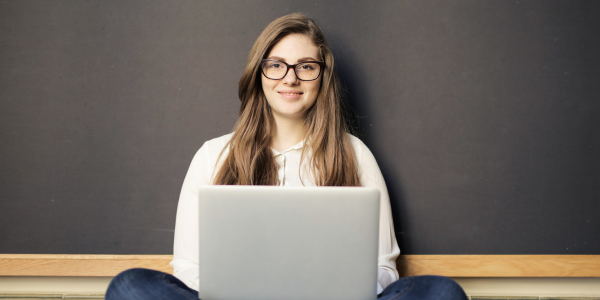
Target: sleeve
(370,176)
(186,245)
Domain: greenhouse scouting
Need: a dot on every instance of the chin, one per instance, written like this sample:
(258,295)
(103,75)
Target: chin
(291,113)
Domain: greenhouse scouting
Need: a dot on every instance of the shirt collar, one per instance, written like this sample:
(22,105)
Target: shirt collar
(295,147)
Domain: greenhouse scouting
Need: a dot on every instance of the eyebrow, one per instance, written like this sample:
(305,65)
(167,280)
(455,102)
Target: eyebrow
(307,59)
(299,60)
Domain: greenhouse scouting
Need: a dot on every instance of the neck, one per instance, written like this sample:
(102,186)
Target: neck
(288,132)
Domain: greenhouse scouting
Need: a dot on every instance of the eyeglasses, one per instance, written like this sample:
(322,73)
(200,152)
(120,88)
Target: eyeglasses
(305,71)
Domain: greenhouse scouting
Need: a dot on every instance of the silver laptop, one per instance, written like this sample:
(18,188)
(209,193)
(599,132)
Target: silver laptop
(304,243)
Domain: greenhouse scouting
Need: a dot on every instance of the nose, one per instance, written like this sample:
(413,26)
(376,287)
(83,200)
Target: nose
(290,77)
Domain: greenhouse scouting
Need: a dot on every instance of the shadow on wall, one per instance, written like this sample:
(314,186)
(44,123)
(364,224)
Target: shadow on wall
(352,71)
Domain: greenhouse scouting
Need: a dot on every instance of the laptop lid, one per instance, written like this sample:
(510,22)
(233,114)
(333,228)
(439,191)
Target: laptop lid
(263,243)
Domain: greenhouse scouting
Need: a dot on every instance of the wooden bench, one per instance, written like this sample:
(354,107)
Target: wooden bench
(408,265)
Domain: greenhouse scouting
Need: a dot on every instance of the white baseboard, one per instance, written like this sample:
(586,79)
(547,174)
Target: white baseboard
(589,287)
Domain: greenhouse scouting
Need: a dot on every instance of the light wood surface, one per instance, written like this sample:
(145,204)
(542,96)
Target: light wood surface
(500,265)
(79,265)
(408,265)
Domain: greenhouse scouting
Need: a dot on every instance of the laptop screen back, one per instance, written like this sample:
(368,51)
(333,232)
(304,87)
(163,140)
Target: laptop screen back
(266,243)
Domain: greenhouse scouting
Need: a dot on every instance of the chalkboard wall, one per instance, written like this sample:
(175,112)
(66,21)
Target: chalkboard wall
(483,116)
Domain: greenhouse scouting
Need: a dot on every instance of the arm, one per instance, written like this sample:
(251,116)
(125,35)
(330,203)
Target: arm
(370,176)
(186,244)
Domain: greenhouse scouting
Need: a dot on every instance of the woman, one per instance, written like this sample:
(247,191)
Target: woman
(291,131)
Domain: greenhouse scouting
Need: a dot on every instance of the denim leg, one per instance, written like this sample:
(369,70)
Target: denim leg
(144,284)
(423,288)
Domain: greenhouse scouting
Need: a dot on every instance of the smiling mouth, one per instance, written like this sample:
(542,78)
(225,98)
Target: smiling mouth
(289,93)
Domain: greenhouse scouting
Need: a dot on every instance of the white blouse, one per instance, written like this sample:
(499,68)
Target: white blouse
(186,252)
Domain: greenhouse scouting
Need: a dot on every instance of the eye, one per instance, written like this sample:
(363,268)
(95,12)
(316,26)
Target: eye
(273,65)
(306,67)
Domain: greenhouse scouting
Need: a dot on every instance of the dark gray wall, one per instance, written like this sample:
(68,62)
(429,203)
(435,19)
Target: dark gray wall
(483,116)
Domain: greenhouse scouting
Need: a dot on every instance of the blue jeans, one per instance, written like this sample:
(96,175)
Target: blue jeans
(143,284)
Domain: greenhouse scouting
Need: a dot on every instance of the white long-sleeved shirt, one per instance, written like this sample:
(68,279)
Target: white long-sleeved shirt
(186,249)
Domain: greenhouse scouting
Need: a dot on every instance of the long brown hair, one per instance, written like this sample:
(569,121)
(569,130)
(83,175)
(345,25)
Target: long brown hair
(250,160)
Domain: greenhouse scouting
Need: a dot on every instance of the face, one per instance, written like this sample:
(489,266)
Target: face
(290,97)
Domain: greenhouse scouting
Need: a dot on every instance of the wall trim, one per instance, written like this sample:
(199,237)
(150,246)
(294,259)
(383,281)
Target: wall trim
(500,265)
(408,265)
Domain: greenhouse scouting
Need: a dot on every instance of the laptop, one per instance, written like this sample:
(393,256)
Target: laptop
(292,243)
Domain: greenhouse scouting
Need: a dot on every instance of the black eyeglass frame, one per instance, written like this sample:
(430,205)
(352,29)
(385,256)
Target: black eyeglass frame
(293,67)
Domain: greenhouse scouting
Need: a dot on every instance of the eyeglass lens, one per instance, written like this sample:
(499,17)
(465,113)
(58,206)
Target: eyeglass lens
(304,71)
